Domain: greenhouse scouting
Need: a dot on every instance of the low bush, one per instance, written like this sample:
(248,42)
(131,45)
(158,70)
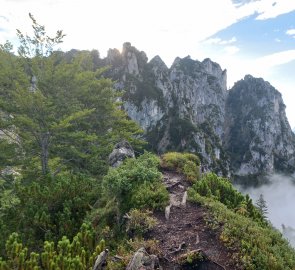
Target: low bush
(139,222)
(150,196)
(257,244)
(136,184)
(222,190)
(49,209)
(80,253)
(185,163)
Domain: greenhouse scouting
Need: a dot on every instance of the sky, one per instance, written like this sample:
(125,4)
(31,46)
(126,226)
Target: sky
(254,37)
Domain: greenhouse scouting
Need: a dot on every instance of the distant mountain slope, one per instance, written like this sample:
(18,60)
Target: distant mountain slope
(258,136)
(187,107)
(181,108)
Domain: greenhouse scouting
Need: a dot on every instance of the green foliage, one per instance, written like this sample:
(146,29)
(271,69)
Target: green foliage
(139,222)
(261,205)
(223,191)
(191,260)
(257,246)
(185,163)
(150,196)
(136,184)
(40,44)
(59,120)
(80,253)
(48,209)
(191,171)
(180,129)
(34,88)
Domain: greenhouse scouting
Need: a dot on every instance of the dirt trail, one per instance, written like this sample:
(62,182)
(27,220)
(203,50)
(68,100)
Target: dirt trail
(186,230)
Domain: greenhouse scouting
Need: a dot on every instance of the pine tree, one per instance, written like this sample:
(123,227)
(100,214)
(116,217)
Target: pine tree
(262,206)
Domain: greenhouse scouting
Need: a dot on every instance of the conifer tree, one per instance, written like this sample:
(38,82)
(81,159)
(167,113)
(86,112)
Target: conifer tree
(262,206)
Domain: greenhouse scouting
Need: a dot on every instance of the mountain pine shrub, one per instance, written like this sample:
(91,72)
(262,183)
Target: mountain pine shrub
(185,163)
(241,226)
(78,254)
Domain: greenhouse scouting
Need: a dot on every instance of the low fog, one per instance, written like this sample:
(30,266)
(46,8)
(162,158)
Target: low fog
(279,195)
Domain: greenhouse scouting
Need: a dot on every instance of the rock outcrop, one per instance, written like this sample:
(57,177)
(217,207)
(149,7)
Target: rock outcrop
(121,151)
(258,137)
(141,260)
(180,108)
(101,260)
(187,107)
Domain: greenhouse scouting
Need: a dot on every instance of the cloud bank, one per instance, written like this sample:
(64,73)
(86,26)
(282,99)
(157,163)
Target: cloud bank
(280,199)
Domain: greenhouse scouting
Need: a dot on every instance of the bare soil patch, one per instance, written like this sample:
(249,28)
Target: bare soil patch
(186,230)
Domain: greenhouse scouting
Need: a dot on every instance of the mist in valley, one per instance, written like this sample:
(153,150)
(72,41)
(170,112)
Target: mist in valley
(279,195)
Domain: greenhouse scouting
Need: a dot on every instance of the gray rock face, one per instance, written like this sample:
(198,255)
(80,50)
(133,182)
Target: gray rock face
(101,260)
(187,107)
(258,136)
(121,151)
(178,107)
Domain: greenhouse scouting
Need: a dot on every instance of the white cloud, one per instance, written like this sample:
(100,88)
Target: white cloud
(291,32)
(279,195)
(219,41)
(228,46)
(258,67)
(6,31)
(231,49)
(275,59)
(268,10)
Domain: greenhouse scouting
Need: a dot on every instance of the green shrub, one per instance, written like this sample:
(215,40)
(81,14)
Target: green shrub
(139,222)
(185,163)
(191,171)
(150,196)
(258,247)
(80,253)
(50,208)
(136,184)
(223,191)
(191,260)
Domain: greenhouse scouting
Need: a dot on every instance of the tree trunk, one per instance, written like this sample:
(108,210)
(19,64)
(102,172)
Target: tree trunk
(45,153)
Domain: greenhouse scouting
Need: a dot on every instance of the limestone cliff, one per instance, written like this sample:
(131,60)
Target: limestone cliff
(187,107)
(258,137)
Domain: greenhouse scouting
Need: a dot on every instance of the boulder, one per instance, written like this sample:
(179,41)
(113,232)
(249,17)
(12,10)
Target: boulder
(121,151)
(101,260)
(141,260)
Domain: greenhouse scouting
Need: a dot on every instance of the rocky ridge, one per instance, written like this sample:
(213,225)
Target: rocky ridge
(187,107)
(258,135)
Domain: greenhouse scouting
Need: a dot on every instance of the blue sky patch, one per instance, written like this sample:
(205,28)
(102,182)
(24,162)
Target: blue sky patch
(261,37)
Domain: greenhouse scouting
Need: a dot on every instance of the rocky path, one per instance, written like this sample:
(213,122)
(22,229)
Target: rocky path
(182,228)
